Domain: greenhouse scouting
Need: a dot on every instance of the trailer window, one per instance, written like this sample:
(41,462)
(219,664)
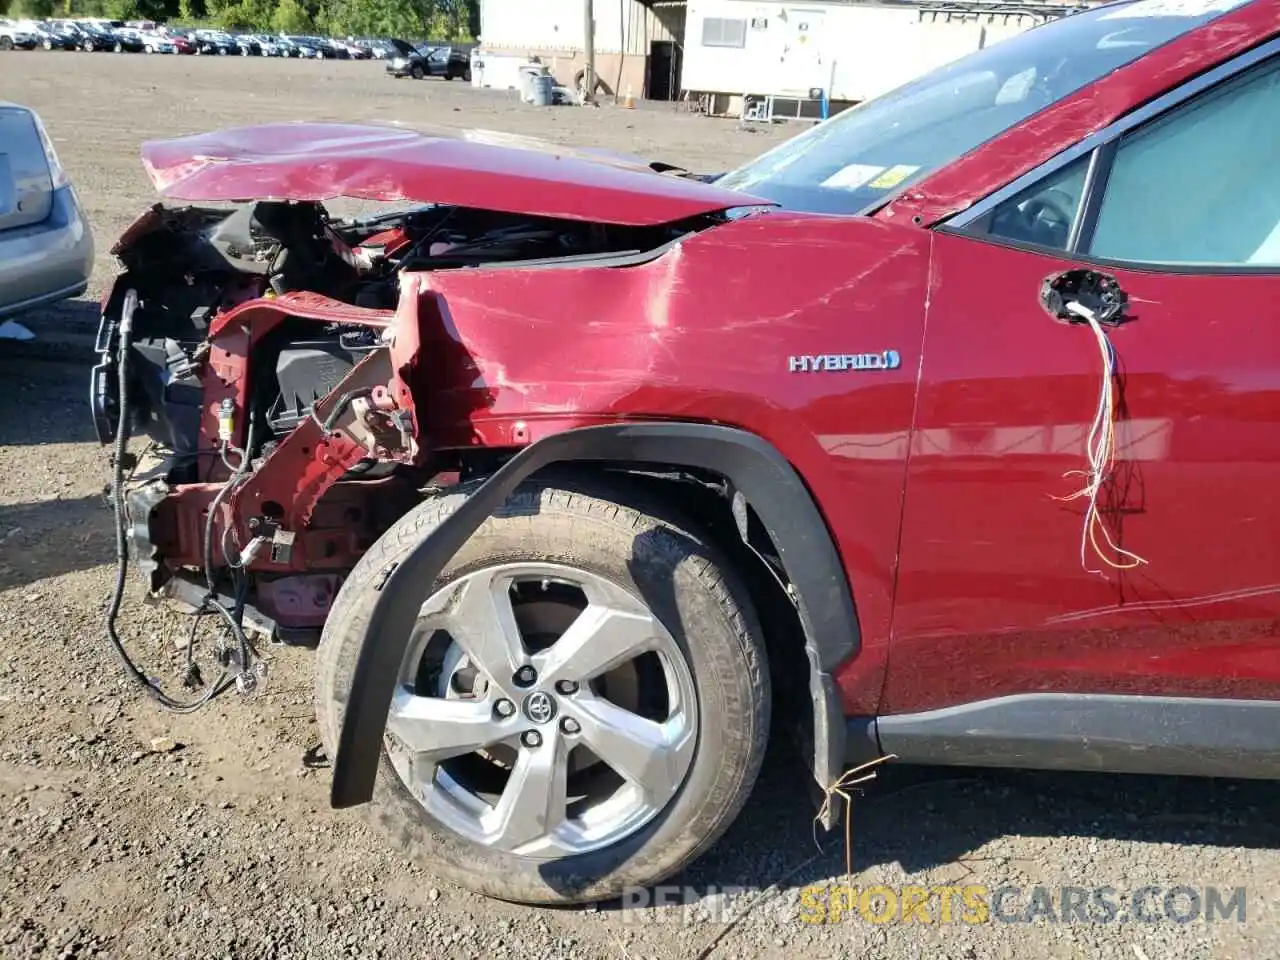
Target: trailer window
(722,32)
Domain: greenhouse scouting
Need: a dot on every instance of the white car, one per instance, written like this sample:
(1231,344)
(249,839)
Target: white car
(17,36)
(154,42)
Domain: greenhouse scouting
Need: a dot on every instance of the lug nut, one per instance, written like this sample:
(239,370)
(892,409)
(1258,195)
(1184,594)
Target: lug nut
(505,708)
(569,725)
(531,738)
(566,687)
(526,677)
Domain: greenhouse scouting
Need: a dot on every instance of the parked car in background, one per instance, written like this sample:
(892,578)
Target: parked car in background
(357,49)
(247,45)
(429,61)
(450,63)
(407,61)
(266,46)
(214,43)
(183,40)
(285,47)
(36,27)
(330,49)
(46,246)
(156,42)
(58,35)
(384,49)
(64,34)
(17,36)
(129,40)
(94,37)
(306,48)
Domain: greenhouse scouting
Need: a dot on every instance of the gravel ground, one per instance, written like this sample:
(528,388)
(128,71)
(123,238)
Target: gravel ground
(127,832)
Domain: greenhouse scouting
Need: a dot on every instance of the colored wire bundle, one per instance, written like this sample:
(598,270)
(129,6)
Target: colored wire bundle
(1100,451)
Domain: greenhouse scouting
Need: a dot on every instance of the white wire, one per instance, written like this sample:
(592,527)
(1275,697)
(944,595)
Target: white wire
(226,448)
(223,450)
(1100,454)
(226,553)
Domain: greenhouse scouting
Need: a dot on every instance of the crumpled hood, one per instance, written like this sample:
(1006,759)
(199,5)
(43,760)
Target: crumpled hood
(321,161)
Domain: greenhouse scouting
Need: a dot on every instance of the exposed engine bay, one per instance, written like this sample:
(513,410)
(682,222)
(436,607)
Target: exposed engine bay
(253,346)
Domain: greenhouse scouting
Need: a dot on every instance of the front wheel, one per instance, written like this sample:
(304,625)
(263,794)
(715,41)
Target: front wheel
(417,73)
(583,706)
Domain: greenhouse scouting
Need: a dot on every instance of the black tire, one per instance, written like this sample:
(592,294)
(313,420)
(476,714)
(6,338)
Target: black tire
(416,72)
(649,549)
(87,47)
(6,43)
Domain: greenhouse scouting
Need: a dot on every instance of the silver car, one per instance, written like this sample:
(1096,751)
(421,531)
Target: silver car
(46,247)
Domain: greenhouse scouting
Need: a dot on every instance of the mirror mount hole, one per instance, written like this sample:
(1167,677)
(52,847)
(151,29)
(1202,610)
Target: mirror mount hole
(1098,293)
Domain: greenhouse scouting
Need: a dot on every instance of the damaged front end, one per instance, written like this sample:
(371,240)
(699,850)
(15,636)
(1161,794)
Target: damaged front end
(281,360)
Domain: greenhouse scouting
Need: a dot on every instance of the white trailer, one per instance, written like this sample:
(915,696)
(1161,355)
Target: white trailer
(839,51)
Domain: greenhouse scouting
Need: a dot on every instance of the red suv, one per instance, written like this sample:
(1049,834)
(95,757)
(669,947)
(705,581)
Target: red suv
(943,430)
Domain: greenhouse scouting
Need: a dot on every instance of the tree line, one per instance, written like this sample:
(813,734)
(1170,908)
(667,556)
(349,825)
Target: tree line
(409,19)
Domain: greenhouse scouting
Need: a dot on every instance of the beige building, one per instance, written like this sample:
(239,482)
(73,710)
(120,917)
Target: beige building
(638,44)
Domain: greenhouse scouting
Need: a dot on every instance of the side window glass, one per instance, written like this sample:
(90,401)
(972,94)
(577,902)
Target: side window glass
(1200,185)
(1042,214)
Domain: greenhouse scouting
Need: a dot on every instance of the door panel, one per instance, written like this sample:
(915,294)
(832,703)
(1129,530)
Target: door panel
(803,65)
(992,598)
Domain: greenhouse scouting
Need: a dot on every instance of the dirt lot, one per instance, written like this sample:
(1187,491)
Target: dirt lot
(225,846)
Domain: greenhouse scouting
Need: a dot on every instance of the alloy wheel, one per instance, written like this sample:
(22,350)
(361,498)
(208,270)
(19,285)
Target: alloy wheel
(542,710)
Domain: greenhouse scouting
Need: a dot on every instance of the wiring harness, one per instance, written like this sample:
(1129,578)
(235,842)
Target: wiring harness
(236,662)
(1100,451)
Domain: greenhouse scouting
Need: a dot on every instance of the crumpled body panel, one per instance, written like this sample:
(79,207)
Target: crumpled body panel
(320,161)
(706,332)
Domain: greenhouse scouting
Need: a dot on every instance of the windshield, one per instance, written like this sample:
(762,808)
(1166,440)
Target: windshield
(859,157)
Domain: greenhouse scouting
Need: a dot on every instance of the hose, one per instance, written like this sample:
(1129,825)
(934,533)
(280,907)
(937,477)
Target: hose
(212,599)
(345,401)
(149,686)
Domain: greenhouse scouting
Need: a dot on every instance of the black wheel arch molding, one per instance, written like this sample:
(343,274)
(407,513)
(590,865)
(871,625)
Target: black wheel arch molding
(821,592)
